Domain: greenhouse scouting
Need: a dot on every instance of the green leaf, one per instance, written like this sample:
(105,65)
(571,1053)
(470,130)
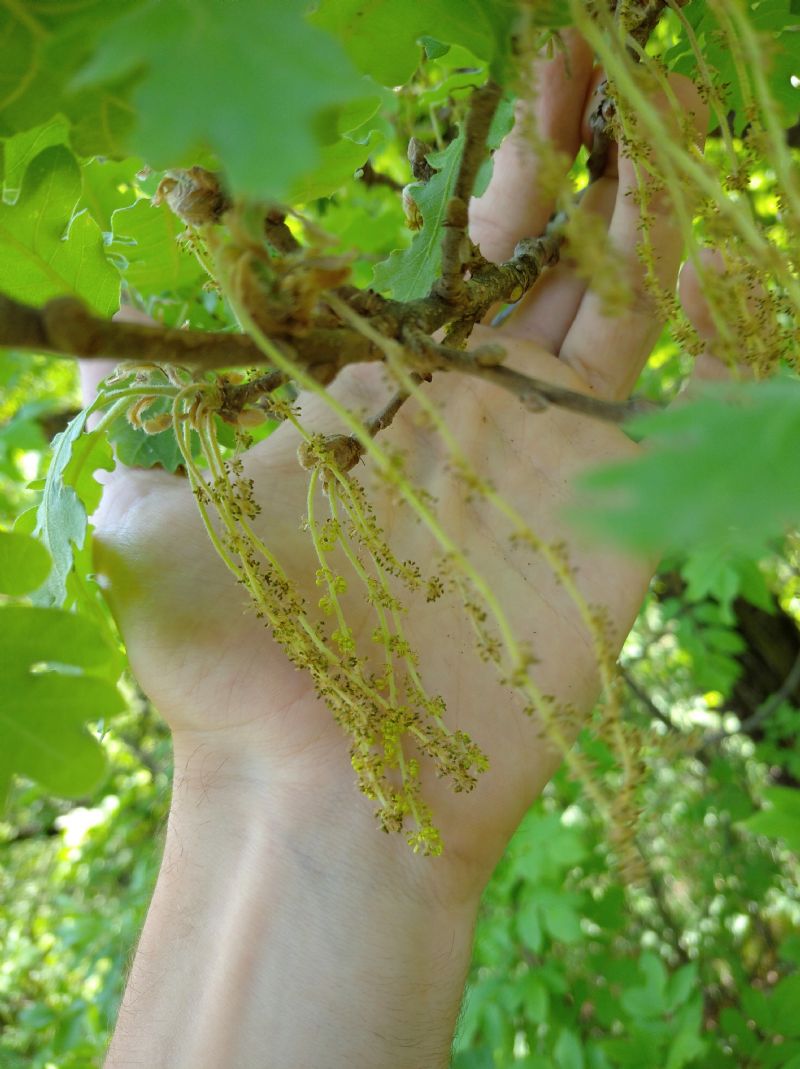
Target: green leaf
(24,563)
(70,494)
(136,449)
(108,185)
(46,696)
(554,14)
(529,927)
(410,273)
(43,45)
(146,242)
(562,922)
(338,163)
(400,26)
(21,149)
(648,1000)
(775,825)
(720,471)
(433,49)
(568,1051)
(252,83)
(785,1002)
(47,252)
(535,999)
(688,1043)
(680,986)
(781,820)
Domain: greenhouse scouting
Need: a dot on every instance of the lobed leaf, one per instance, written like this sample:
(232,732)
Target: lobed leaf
(720,471)
(44,44)
(46,250)
(410,273)
(145,241)
(402,26)
(71,493)
(253,83)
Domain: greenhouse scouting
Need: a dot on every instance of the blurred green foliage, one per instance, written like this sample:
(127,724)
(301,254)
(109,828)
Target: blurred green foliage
(695,965)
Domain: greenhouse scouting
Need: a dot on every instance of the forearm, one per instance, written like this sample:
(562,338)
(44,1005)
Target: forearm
(284,934)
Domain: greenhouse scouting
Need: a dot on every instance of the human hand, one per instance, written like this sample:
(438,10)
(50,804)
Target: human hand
(227,689)
(278,893)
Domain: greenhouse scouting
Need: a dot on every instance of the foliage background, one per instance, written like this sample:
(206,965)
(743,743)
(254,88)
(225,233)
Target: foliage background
(699,966)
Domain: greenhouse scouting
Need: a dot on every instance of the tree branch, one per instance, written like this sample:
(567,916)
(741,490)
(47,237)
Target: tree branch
(482,107)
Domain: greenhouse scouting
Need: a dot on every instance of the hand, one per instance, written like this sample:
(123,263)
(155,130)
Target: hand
(215,673)
(247,725)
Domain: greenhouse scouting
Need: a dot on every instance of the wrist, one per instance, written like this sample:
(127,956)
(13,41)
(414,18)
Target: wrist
(310,936)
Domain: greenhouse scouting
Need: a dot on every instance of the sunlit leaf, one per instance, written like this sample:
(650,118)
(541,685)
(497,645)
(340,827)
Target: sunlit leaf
(70,494)
(400,26)
(47,693)
(24,563)
(45,250)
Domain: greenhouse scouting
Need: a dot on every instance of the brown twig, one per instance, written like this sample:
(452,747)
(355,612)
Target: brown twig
(66,327)
(482,107)
(534,394)
(278,233)
(370,177)
(384,418)
(237,396)
(637,20)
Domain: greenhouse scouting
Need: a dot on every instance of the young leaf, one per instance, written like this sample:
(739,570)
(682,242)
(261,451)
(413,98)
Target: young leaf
(136,449)
(45,251)
(24,563)
(47,696)
(781,820)
(252,82)
(70,494)
(410,273)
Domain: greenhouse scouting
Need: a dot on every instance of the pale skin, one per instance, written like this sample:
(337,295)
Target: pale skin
(286,930)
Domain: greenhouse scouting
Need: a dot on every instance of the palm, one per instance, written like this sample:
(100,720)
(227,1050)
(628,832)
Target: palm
(210,666)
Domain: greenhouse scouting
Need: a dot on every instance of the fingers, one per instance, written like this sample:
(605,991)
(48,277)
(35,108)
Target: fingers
(516,205)
(709,366)
(547,312)
(609,352)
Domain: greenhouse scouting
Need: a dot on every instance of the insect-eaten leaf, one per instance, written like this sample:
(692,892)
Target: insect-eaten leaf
(49,688)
